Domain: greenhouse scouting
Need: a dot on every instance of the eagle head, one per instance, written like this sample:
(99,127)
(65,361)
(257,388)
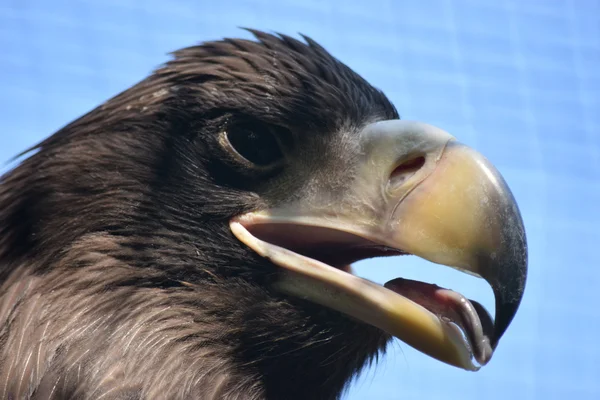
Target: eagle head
(193,236)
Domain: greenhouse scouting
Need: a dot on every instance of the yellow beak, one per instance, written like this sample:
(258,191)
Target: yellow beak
(416,190)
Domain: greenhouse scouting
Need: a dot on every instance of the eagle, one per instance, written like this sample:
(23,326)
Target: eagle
(193,236)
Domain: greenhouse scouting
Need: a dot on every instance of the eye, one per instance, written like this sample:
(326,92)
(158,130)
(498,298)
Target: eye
(256,144)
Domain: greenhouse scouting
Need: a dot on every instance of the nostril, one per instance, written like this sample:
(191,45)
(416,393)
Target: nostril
(406,169)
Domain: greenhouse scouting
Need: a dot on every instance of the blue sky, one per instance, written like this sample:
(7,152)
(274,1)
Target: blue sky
(519,80)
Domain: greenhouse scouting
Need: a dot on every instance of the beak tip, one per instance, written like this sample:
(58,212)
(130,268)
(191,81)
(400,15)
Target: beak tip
(508,294)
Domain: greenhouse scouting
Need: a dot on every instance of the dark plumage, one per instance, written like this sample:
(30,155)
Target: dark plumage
(120,277)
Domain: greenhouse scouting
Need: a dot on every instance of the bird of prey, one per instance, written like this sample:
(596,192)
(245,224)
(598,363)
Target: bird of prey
(192,237)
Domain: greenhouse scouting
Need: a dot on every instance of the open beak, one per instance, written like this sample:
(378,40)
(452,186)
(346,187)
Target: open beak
(414,190)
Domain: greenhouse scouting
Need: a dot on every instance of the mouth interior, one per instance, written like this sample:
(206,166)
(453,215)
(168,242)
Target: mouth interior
(340,249)
(332,247)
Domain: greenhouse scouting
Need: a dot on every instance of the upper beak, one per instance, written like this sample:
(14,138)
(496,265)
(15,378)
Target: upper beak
(414,189)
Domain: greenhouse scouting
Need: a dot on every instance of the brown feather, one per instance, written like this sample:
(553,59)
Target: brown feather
(119,277)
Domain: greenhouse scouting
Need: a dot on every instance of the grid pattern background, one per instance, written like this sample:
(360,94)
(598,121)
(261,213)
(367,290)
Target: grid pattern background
(518,80)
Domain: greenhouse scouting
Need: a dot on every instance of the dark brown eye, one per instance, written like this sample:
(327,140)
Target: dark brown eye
(258,145)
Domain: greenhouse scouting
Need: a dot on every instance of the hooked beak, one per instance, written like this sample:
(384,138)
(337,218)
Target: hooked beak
(415,190)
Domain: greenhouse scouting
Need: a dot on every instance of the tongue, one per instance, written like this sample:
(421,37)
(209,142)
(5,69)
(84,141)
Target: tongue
(450,306)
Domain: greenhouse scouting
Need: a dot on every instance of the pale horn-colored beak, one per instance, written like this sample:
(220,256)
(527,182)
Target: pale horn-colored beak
(418,191)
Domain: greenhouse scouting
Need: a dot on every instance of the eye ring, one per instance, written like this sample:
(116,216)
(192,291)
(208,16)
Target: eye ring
(257,147)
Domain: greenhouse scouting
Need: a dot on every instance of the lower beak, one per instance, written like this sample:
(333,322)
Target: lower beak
(450,206)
